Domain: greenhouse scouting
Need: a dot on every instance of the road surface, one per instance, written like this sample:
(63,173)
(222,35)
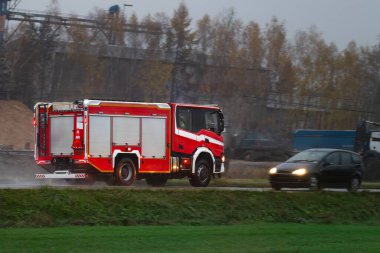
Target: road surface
(18,169)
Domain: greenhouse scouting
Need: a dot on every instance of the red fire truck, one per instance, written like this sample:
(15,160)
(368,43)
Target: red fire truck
(125,141)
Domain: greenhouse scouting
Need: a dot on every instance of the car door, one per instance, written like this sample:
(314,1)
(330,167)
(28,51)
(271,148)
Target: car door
(330,171)
(347,169)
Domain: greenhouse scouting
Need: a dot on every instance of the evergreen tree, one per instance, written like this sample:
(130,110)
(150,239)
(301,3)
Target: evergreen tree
(183,41)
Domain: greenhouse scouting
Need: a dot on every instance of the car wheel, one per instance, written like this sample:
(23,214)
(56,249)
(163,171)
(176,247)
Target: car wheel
(314,183)
(276,187)
(354,184)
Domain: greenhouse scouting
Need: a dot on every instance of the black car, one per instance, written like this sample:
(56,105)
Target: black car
(318,168)
(258,147)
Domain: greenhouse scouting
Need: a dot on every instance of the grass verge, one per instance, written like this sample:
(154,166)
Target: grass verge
(235,238)
(121,206)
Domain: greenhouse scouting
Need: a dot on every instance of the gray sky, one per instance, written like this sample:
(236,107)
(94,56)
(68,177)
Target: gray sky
(339,21)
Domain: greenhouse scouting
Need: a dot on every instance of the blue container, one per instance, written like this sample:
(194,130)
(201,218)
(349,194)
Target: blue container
(305,139)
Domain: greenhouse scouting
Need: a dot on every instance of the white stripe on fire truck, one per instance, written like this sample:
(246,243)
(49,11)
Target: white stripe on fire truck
(199,138)
(88,102)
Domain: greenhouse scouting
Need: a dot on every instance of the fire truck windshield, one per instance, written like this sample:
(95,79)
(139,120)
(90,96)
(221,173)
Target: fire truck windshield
(196,119)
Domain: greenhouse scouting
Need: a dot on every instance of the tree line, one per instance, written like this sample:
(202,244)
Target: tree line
(263,80)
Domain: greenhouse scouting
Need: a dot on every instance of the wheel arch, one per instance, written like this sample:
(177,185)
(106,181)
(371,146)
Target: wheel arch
(118,155)
(203,153)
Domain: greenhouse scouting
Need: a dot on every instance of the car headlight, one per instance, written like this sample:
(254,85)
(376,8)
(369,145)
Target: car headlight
(273,171)
(299,172)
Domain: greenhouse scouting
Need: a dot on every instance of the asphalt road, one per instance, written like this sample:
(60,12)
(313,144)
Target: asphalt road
(143,186)
(17,170)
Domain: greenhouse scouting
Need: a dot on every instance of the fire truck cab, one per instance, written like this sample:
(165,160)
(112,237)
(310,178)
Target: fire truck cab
(125,141)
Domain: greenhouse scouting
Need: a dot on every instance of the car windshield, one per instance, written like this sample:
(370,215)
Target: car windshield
(308,156)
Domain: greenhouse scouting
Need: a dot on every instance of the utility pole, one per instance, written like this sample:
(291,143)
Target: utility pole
(4,69)
(3,17)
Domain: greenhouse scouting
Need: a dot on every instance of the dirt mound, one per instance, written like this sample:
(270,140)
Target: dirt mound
(16,125)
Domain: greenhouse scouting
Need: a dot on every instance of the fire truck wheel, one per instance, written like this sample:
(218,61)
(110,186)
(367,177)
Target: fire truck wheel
(111,180)
(156,180)
(125,172)
(202,175)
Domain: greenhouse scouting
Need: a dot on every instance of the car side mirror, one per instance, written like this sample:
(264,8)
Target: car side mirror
(326,164)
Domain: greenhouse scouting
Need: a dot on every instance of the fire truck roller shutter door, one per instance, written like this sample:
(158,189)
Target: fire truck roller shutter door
(126,130)
(100,136)
(153,137)
(61,129)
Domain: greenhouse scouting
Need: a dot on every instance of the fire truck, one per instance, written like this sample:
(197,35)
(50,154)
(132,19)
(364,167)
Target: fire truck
(128,141)
(367,144)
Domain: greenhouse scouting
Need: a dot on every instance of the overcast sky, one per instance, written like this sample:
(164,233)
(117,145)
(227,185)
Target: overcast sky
(339,21)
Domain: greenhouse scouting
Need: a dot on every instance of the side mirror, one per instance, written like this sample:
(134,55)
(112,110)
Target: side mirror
(221,122)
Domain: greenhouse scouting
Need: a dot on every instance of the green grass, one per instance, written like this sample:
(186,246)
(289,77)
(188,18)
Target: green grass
(234,238)
(122,206)
(371,185)
(121,219)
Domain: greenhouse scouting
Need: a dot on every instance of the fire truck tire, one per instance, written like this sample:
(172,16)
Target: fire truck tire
(125,172)
(156,180)
(111,179)
(202,175)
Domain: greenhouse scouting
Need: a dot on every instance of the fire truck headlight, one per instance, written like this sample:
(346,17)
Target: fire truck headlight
(223,158)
